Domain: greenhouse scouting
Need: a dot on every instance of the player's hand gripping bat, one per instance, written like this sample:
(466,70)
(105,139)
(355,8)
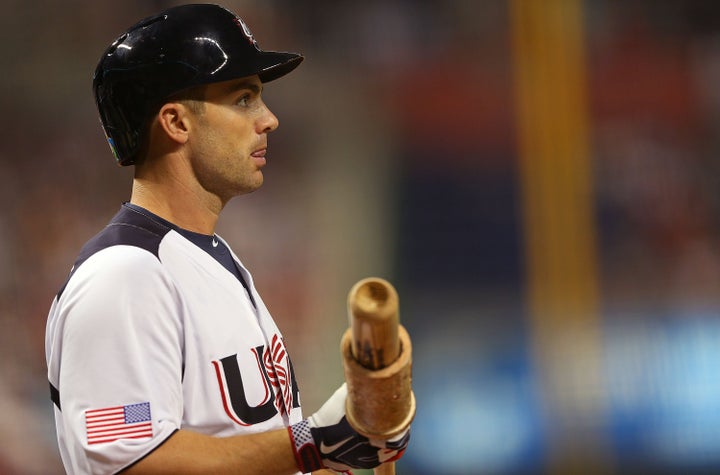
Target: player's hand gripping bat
(376,352)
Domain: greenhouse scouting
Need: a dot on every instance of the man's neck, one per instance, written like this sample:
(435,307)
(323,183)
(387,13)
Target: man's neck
(178,204)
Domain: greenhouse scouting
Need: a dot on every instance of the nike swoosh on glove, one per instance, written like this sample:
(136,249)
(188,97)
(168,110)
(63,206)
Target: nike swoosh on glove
(326,440)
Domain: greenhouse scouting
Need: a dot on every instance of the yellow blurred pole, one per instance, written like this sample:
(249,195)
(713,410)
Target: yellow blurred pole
(556,184)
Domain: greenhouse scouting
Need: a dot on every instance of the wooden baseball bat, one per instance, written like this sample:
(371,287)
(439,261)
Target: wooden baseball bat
(377,359)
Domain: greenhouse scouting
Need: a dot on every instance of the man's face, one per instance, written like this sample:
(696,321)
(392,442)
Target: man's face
(228,140)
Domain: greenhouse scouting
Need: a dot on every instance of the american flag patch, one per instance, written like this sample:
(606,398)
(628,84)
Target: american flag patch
(120,422)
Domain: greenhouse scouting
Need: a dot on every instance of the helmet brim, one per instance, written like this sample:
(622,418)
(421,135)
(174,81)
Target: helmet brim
(273,65)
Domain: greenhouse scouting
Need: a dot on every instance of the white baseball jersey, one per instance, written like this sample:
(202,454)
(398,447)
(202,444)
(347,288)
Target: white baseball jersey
(151,334)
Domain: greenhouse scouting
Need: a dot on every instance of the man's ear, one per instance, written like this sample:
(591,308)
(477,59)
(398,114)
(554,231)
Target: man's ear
(174,121)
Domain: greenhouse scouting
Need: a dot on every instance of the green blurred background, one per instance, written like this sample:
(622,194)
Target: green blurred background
(538,178)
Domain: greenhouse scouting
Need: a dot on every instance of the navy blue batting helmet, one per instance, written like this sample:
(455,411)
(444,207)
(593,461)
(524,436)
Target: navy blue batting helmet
(177,49)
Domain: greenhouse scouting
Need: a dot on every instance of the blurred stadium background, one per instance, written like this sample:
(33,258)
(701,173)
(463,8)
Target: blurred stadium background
(539,179)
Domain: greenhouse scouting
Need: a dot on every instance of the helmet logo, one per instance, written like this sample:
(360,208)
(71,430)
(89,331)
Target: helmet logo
(246,31)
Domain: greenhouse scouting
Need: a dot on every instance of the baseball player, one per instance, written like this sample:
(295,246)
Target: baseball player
(162,356)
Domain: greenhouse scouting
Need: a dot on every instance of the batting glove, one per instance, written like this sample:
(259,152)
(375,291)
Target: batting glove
(326,440)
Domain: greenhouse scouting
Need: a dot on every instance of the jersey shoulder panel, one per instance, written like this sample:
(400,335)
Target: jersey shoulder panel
(128,227)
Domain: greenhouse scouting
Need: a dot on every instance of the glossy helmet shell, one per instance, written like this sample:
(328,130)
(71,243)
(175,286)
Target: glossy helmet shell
(180,48)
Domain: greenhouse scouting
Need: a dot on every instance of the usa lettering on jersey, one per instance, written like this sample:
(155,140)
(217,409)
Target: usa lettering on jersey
(274,369)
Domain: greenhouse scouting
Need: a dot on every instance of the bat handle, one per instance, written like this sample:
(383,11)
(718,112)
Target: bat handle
(385,469)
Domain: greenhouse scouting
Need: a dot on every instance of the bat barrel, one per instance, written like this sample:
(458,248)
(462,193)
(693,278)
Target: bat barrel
(377,359)
(374,320)
(380,403)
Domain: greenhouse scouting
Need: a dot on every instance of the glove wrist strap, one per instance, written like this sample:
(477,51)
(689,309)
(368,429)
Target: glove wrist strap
(306,453)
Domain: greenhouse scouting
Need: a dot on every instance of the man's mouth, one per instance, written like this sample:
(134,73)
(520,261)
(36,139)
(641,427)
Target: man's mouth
(259,156)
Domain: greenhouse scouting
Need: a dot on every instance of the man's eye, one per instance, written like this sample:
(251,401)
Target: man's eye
(244,100)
